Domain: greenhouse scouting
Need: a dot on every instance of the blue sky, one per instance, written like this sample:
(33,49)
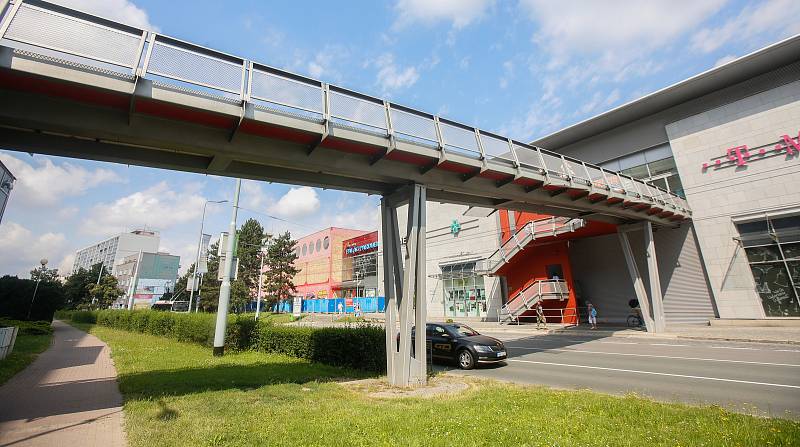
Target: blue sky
(523,68)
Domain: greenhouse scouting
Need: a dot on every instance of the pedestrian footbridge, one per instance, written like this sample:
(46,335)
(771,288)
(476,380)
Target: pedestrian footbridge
(77,85)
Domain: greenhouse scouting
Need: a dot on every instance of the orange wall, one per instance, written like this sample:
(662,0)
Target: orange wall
(531,265)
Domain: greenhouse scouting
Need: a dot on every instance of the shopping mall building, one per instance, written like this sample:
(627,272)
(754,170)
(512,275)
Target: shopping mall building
(728,140)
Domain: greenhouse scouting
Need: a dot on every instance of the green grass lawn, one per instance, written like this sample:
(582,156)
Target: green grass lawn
(178,394)
(26,348)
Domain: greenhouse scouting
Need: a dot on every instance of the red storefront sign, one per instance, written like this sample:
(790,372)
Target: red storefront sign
(359,245)
(741,155)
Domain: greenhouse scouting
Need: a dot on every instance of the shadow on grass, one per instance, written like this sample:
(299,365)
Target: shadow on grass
(176,382)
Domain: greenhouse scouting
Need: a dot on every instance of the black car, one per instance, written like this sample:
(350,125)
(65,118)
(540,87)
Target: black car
(456,342)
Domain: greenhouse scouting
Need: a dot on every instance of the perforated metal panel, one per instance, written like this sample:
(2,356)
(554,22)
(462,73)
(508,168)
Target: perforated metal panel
(188,66)
(496,148)
(55,31)
(528,157)
(554,164)
(288,92)
(357,110)
(413,125)
(459,137)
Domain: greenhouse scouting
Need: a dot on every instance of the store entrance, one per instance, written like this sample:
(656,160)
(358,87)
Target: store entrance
(464,292)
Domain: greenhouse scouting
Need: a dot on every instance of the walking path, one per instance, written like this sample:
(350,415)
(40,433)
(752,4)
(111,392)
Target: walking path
(67,396)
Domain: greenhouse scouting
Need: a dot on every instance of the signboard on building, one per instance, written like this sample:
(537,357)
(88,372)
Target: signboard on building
(359,245)
(742,155)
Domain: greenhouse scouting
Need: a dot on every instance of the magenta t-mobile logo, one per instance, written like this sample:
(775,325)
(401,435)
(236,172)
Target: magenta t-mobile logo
(741,155)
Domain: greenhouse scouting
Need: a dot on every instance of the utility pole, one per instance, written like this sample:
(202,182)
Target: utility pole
(36,289)
(197,258)
(100,275)
(225,288)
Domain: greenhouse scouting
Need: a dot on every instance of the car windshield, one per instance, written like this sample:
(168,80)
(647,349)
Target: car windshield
(463,330)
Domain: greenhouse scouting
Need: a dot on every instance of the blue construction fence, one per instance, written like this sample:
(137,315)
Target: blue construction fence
(331,305)
(326,305)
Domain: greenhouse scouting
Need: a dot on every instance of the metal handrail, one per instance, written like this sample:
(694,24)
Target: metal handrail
(243,93)
(560,289)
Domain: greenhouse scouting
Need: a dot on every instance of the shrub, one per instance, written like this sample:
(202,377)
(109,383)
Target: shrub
(28,327)
(360,347)
(16,295)
(351,347)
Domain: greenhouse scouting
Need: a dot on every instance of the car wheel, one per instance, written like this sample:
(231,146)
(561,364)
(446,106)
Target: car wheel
(465,359)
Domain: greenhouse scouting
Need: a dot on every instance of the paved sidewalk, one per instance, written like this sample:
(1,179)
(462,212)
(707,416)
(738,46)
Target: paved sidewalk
(67,397)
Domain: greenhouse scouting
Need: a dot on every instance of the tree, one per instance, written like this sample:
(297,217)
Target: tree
(81,287)
(251,237)
(280,268)
(101,295)
(44,274)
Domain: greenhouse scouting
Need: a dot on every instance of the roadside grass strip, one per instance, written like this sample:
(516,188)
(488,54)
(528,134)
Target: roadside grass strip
(178,394)
(26,348)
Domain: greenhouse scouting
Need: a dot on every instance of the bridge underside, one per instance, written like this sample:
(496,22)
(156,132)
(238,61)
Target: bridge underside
(57,107)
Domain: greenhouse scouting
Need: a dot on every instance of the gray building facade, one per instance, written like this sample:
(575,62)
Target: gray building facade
(728,140)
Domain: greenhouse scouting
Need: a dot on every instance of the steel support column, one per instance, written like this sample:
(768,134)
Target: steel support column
(405,288)
(636,279)
(656,298)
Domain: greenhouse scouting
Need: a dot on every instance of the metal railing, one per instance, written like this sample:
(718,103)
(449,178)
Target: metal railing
(31,25)
(536,291)
(566,313)
(551,226)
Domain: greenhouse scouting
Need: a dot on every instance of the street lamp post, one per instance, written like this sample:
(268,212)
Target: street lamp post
(43,261)
(197,258)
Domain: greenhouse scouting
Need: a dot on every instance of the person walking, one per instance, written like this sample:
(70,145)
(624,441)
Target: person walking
(540,319)
(592,315)
(339,308)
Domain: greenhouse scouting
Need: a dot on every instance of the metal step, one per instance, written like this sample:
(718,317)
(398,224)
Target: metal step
(535,229)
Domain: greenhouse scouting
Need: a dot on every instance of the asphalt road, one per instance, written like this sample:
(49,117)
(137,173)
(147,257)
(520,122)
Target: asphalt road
(755,378)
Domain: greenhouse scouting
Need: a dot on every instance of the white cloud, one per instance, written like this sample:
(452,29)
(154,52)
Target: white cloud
(600,101)
(296,203)
(120,10)
(459,13)
(156,207)
(508,73)
(43,182)
(724,60)
(22,250)
(614,26)
(392,77)
(772,17)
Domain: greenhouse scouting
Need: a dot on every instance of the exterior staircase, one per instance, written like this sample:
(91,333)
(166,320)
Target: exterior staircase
(527,298)
(535,229)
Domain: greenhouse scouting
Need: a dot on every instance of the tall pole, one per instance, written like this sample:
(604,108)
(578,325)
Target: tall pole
(132,288)
(225,288)
(199,245)
(36,289)
(260,284)
(199,287)
(100,275)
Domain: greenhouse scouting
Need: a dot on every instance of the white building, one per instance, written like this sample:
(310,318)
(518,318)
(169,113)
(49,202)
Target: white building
(458,238)
(113,250)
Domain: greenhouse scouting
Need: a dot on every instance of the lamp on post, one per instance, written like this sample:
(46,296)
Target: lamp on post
(43,261)
(197,258)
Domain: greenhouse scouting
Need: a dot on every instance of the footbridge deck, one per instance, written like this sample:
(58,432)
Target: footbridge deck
(78,85)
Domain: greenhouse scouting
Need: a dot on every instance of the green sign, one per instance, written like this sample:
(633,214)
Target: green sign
(455,227)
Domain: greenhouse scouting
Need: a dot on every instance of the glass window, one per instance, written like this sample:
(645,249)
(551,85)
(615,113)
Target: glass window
(662,166)
(636,171)
(319,244)
(310,247)
(774,264)
(305,249)
(326,242)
